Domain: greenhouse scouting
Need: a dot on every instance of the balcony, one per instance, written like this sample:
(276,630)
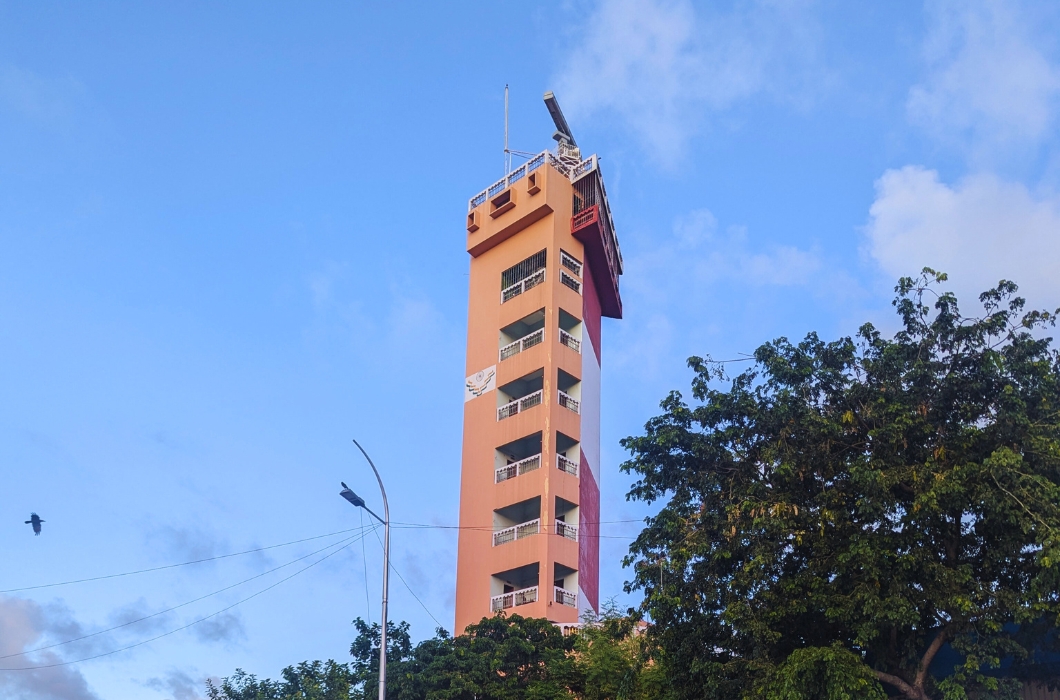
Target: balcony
(565,530)
(569,281)
(515,598)
(510,471)
(520,394)
(564,597)
(569,340)
(569,402)
(524,343)
(568,261)
(567,465)
(517,532)
(510,409)
(509,293)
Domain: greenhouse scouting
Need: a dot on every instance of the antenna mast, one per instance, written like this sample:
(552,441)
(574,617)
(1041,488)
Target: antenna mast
(507,153)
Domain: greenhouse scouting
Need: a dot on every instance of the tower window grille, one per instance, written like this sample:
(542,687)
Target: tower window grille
(519,272)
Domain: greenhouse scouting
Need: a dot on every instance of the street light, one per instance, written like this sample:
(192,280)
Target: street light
(356,500)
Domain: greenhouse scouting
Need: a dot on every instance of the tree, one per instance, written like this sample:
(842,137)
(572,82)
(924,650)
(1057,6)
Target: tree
(839,513)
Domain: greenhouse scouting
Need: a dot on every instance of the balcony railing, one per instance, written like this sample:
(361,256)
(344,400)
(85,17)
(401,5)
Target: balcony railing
(567,465)
(510,600)
(510,409)
(569,340)
(510,471)
(565,530)
(568,401)
(521,286)
(516,532)
(570,263)
(570,281)
(525,343)
(565,597)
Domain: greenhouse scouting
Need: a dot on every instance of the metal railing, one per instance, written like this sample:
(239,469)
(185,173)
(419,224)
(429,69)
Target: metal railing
(526,342)
(570,263)
(521,172)
(516,532)
(565,597)
(569,340)
(570,281)
(510,471)
(565,530)
(568,401)
(567,465)
(510,600)
(510,409)
(521,286)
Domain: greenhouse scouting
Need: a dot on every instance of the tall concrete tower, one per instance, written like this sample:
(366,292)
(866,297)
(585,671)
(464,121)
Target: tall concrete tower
(545,265)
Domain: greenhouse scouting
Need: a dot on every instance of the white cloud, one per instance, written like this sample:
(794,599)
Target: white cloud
(979,231)
(662,65)
(991,85)
(24,625)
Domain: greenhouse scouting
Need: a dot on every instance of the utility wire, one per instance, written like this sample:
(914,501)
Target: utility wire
(422,605)
(184,627)
(173,566)
(364,560)
(182,605)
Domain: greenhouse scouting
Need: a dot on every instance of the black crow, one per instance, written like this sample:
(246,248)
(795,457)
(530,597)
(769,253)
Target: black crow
(35,521)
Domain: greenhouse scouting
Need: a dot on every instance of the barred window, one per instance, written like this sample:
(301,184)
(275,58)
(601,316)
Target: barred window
(517,273)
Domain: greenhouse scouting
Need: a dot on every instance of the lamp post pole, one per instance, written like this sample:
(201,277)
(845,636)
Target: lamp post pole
(359,502)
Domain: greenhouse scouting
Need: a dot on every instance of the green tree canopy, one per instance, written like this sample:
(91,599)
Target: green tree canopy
(836,514)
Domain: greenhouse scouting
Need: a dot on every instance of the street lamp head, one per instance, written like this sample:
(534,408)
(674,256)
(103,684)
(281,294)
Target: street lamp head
(351,496)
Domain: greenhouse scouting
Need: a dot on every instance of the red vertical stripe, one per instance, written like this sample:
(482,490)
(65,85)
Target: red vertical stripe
(589,535)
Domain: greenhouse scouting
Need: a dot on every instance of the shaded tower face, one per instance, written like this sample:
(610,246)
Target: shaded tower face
(545,265)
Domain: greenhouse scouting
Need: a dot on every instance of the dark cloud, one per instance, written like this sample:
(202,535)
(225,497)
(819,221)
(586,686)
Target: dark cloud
(24,624)
(226,627)
(178,685)
(186,543)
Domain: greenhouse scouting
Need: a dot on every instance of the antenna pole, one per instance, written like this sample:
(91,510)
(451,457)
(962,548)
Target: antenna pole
(507,153)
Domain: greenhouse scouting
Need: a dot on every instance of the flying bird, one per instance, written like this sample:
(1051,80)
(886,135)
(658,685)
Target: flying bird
(35,521)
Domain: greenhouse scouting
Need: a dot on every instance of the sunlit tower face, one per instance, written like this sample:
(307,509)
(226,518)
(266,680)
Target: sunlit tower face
(545,266)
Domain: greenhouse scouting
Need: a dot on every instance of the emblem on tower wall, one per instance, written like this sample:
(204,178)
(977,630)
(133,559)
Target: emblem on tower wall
(480,382)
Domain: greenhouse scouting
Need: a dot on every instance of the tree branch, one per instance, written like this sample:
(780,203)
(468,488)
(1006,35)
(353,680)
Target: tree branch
(903,687)
(941,638)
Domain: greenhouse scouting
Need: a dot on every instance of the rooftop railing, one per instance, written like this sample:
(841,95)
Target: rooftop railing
(525,343)
(567,465)
(568,401)
(510,409)
(569,340)
(516,532)
(565,597)
(565,530)
(510,471)
(511,600)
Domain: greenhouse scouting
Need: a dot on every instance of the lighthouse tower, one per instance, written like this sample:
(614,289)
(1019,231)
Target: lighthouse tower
(545,266)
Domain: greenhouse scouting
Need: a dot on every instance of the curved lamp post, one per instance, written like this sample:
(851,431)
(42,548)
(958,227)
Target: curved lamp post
(356,500)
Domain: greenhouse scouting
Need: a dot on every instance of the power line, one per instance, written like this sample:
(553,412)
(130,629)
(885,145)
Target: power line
(190,624)
(173,566)
(182,605)
(422,604)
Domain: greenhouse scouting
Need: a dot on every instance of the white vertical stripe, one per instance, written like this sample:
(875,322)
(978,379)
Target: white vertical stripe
(590,408)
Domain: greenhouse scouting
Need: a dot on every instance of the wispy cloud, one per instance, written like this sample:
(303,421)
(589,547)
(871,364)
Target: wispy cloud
(992,83)
(664,66)
(979,230)
(178,685)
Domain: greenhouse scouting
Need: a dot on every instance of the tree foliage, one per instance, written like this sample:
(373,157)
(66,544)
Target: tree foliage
(834,516)
(500,658)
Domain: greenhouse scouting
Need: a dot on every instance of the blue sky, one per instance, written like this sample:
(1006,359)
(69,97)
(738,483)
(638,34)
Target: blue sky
(231,240)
